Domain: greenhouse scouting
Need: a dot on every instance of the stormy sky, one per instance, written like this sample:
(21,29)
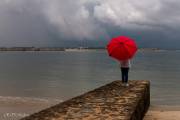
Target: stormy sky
(152,23)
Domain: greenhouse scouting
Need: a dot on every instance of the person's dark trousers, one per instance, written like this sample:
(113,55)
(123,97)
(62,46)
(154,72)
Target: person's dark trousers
(124,73)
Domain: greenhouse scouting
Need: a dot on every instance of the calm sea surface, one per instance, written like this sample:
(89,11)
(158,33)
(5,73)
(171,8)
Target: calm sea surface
(63,75)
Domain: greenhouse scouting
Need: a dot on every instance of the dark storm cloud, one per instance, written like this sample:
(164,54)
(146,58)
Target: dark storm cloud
(22,24)
(59,22)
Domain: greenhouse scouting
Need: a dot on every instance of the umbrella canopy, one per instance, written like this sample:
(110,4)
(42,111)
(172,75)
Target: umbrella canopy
(122,48)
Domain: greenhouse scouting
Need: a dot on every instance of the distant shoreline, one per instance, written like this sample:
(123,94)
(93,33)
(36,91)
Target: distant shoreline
(70,49)
(47,49)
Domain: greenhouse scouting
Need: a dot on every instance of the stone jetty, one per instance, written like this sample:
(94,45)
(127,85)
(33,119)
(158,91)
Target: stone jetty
(109,102)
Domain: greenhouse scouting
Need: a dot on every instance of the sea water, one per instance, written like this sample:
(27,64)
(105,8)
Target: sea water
(66,74)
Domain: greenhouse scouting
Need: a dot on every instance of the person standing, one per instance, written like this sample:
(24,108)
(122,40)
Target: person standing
(125,66)
(123,49)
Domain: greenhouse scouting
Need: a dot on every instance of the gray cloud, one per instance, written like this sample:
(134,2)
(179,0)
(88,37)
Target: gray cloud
(45,22)
(22,23)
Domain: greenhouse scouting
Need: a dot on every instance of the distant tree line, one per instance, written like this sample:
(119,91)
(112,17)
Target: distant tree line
(44,48)
(31,49)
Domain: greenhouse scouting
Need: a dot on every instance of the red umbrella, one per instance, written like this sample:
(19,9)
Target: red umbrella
(122,48)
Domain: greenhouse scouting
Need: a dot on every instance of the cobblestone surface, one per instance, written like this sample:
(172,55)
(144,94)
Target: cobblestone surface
(110,102)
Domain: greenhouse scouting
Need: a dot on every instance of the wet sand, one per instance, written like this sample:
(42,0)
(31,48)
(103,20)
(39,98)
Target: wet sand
(163,113)
(14,108)
(9,112)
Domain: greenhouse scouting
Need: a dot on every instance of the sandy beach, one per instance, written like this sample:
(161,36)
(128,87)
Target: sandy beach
(17,109)
(14,108)
(163,113)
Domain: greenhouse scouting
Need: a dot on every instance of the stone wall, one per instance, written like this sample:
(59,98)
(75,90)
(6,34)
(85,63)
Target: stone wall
(110,102)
